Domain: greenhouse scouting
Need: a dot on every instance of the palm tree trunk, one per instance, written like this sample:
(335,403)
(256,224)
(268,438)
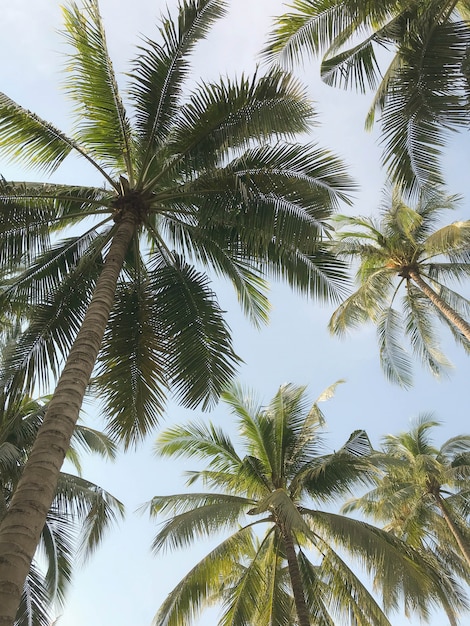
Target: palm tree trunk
(295,579)
(449,313)
(21,527)
(455,530)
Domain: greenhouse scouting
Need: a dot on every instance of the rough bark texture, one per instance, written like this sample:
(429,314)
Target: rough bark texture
(22,525)
(442,306)
(461,542)
(295,579)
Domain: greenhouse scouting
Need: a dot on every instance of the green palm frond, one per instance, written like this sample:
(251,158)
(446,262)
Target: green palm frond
(400,568)
(30,139)
(421,93)
(104,129)
(238,112)
(343,592)
(200,441)
(364,305)
(203,584)
(393,358)
(242,600)
(39,351)
(160,69)
(93,441)
(201,360)
(311,28)
(449,239)
(130,373)
(216,511)
(357,67)
(34,608)
(41,279)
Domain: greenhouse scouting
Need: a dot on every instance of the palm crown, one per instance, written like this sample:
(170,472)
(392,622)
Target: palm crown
(423,493)
(422,88)
(406,249)
(197,184)
(279,470)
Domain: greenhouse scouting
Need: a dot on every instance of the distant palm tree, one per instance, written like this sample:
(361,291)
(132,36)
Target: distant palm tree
(406,249)
(206,179)
(423,496)
(80,513)
(281,470)
(422,85)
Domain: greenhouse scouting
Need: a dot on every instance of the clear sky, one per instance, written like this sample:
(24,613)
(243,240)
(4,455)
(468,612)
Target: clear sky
(124,584)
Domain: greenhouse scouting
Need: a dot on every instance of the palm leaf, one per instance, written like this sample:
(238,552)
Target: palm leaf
(91,83)
(393,358)
(202,584)
(30,139)
(199,359)
(131,378)
(159,71)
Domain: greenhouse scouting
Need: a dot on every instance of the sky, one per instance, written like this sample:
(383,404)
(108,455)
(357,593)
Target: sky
(124,583)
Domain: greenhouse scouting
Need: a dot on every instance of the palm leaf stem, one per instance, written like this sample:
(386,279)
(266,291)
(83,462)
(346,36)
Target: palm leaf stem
(449,313)
(37,487)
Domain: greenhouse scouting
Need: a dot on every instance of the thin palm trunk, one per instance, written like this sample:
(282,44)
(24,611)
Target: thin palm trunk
(449,313)
(295,579)
(455,530)
(22,525)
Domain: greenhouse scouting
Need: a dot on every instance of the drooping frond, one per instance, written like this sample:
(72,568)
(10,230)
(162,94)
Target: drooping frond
(27,138)
(393,358)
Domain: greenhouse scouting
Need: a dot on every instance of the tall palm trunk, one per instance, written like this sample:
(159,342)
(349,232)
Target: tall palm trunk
(295,579)
(442,306)
(21,527)
(455,530)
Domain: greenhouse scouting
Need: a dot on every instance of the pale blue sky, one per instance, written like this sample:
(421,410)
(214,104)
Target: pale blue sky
(124,584)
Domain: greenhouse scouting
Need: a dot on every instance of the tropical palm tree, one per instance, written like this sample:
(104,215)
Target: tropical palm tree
(80,513)
(423,495)
(208,179)
(422,83)
(271,483)
(405,249)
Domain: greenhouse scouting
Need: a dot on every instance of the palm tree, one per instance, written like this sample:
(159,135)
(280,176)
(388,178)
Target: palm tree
(80,513)
(405,249)
(422,83)
(423,495)
(193,181)
(270,484)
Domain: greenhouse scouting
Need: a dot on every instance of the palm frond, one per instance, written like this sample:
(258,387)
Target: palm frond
(29,139)
(160,70)
(199,355)
(204,583)
(104,129)
(393,358)
(131,379)
(202,515)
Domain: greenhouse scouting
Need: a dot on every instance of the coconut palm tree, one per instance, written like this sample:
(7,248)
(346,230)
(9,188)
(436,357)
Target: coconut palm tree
(271,483)
(188,180)
(423,495)
(421,85)
(80,513)
(406,250)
